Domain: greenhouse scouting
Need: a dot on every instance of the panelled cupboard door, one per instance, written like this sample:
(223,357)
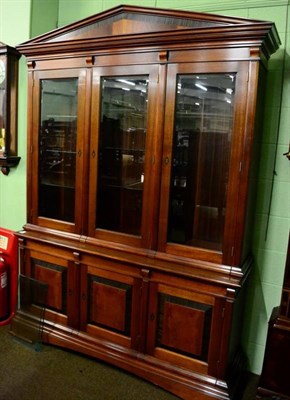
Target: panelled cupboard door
(110,305)
(184,327)
(125,137)
(57,142)
(203,149)
(61,276)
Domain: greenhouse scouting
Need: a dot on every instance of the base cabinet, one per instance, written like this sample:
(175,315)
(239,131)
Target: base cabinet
(161,327)
(143,132)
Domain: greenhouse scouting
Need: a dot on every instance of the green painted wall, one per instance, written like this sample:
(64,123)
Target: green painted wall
(19,21)
(13,187)
(33,17)
(44,16)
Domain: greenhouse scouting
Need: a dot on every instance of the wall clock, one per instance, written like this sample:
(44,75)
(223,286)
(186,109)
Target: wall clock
(2,71)
(8,107)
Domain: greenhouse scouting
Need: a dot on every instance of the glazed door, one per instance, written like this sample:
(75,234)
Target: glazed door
(57,144)
(200,176)
(124,141)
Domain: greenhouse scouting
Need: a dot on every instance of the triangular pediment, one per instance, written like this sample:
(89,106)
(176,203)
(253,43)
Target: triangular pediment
(127,20)
(132,26)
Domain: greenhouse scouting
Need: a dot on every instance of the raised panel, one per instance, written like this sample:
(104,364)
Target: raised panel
(184,326)
(108,307)
(56,278)
(109,304)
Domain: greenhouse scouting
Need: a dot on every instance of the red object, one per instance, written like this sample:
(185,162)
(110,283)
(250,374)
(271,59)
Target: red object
(4,308)
(8,275)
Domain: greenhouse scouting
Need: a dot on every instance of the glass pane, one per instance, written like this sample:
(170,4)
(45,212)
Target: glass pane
(201,151)
(57,162)
(121,153)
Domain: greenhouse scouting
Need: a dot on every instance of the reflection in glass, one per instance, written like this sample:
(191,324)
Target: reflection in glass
(121,153)
(57,163)
(200,164)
